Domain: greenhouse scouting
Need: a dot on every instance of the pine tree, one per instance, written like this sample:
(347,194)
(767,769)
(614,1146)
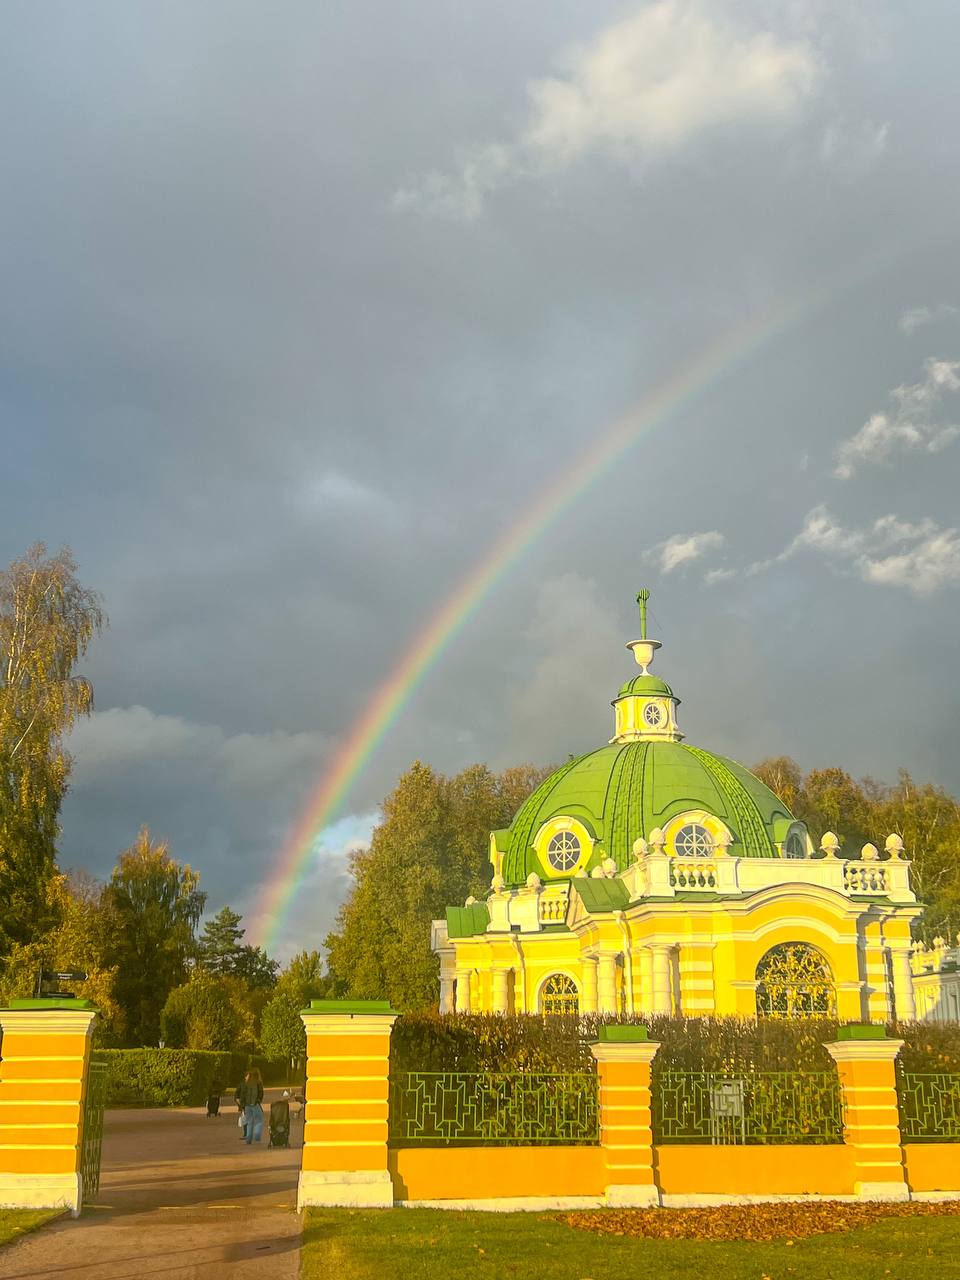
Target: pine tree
(221,942)
(222,950)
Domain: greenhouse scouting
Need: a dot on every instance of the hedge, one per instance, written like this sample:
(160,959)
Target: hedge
(528,1042)
(178,1077)
(163,1077)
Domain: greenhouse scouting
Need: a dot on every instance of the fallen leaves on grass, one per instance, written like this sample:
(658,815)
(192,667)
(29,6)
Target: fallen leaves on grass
(790,1220)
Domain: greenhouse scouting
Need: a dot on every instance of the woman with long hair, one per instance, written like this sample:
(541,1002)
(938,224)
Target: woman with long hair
(251,1099)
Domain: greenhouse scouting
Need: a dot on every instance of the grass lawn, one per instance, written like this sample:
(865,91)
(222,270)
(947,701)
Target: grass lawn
(17,1222)
(427,1244)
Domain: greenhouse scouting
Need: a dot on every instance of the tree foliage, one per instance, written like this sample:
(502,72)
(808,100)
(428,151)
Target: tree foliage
(430,850)
(281,1029)
(209,1011)
(47,620)
(157,904)
(82,939)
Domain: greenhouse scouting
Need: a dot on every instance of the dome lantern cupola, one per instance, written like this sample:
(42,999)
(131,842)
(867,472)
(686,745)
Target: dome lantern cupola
(645,709)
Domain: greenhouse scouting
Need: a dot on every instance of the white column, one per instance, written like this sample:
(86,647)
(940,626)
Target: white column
(608,982)
(463,991)
(446,992)
(500,991)
(661,980)
(903,999)
(646,980)
(589,998)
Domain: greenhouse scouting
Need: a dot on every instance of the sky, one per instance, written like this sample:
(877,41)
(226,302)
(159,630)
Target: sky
(306,306)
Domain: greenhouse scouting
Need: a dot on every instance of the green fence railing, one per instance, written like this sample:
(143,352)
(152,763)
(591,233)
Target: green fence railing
(761,1107)
(486,1108)
(929,1106)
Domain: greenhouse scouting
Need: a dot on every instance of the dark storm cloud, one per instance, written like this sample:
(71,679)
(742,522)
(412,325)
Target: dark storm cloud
(279,413)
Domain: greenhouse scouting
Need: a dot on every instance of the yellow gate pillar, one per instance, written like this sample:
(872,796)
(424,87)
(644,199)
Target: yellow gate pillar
(347,1112)
(865,1063)
(624,1055)
(44,1056)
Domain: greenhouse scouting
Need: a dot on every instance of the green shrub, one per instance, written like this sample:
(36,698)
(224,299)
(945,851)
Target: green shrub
(164,1077)
(928,1046)
(528,1042)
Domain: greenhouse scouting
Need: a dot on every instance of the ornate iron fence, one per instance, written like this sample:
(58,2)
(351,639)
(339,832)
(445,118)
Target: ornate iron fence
(757,1107)
(929,1106)
(92,1129)
(486,1108)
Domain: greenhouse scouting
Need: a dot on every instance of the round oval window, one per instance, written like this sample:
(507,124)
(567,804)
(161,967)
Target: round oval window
(653,715)
(694,841)
(563,851)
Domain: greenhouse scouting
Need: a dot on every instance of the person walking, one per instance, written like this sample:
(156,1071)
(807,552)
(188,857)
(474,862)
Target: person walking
(251,1098)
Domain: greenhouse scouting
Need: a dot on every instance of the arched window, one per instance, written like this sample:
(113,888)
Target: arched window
(794,981)
(559,996)
(794,846)
(694,841)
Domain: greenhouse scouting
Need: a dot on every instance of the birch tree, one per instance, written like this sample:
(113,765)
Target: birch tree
(47,620)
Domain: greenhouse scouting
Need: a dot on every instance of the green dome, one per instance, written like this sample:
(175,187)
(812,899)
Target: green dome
(645,684)
(624,790)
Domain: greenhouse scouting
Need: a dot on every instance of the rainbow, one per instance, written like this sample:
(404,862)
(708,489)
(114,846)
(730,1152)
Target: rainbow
(682,384)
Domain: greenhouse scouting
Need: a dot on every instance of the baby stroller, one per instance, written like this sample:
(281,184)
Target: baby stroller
(279,1123)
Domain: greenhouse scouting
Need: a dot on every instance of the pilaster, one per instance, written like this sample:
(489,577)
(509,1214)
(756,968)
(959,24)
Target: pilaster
(43,1078)
(865,1064)
(347,1113)
(623,1056)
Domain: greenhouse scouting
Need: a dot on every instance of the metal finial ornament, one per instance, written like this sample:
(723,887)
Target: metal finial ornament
(643,595)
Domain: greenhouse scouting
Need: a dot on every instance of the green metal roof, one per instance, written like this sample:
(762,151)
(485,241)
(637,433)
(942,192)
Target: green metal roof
(624,790)
(465,922)
(645,685)
(601,895)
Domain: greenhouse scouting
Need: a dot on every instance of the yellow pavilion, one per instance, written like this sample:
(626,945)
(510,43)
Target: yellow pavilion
(650,876)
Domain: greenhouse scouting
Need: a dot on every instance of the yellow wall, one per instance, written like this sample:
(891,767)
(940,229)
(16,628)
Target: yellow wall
(932,1166)
(715,950)
(496,1173)
(492,1173)
(759,1171)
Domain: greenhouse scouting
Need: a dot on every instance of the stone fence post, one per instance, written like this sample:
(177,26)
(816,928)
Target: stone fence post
(624,1055)
(44,1058)
(865,1063)
(347,1112)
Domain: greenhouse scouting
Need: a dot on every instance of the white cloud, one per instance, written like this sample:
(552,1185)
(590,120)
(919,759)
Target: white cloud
(125,735)
(854,148)
(644,86)
(915,317)
(910,425)
(324,883)
(919,556)
(682,549)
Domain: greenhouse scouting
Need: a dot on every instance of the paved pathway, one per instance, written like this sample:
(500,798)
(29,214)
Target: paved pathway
(180,1197)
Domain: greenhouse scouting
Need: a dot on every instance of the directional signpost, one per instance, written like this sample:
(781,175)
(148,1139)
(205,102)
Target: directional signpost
(58,975)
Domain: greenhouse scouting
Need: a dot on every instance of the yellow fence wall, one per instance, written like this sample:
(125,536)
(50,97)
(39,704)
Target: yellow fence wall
(932,1166)
(496,1173)
(754,1171)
